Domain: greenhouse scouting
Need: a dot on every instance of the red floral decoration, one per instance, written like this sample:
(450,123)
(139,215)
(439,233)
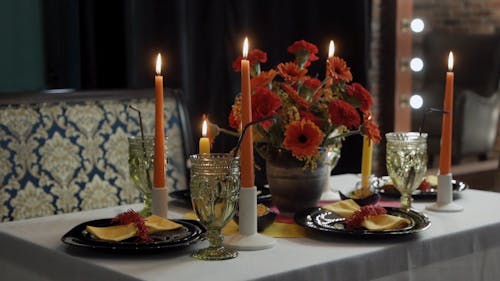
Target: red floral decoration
(362,95)
(254,56)
(370,128)
(264,104)
(355,220)
(291,72)
(263,80)
(302,138)
(309,112)
(343,113)
(312,83)
(132,216)
(337,69)
(302,49)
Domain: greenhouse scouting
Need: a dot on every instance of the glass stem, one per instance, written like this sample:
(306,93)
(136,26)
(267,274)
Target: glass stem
(406,201)
(214,237)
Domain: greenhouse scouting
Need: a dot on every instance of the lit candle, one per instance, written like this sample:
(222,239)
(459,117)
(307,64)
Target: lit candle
(159,150)
(204,141)
(331,49)
(331,52)
(446,130)
(366,162)
(246,151)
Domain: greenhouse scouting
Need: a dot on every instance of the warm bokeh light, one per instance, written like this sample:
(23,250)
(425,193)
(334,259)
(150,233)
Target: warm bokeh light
(245,48)
(204,128)
(416,64)
(158,64)
(450,61)
(331,49)
(416,101)
(417,25)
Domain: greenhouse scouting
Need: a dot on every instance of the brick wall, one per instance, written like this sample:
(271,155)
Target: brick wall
(471,16)
(468,16)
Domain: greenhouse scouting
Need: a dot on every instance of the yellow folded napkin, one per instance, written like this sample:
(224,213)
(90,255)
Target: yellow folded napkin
(346,208)
(118,233)
(276,230)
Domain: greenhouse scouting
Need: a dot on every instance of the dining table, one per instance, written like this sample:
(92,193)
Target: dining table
(457,246)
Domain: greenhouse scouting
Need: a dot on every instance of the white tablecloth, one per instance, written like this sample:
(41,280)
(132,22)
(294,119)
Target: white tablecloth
(458,246)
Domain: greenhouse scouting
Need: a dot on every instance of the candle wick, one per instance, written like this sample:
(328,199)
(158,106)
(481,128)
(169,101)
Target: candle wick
(248,125)
(429,110)
(143,144)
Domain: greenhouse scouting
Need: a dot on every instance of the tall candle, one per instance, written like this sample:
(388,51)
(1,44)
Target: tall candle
(366,162)
(204,144)
(446,130)
(331,52)
(331,49)
(246,151)
(159,150)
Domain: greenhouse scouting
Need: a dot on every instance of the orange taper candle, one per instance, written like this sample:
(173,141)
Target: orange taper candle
(446,130)
(246,151)
(159,152)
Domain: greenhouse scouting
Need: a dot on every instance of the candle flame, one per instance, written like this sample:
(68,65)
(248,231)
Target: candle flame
(450,61)
(204,128)
(245,48)
(331,49)
(158,64)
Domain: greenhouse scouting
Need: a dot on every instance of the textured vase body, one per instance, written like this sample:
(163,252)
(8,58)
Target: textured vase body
(294,188)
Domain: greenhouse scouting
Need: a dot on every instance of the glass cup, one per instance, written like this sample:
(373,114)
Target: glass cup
(215,187)
(140,163)
(406,160)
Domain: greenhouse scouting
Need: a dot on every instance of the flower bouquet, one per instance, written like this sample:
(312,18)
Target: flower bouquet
(309,113)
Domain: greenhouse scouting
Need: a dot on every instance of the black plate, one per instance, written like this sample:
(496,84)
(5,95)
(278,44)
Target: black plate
(190,232)
(431,193)
(263,196)
(328,222)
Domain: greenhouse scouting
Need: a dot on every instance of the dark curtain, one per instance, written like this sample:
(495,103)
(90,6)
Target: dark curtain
(200,39)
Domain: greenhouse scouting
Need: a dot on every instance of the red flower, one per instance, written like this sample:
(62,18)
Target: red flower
(337,69)
(312,83)
(370,128)
(362,95)
(302,46)
(291,72)
(302,138)
(264,104)
(300,101)
(254,56)
(264,79)
(343,113)
(309,116)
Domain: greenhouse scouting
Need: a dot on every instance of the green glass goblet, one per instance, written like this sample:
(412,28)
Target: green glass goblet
(215,187)
(406,160)
(140,161)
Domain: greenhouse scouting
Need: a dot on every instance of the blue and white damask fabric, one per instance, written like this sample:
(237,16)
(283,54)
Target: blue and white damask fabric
(65,157)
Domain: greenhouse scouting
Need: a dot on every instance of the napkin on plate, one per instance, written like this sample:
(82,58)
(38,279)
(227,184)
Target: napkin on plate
(118,233)
(346,208)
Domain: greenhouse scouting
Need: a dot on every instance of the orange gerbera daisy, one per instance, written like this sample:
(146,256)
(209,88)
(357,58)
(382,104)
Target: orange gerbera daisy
(263,79)
(302,138)
(337,69)
(291,72)
(300,101)
(370,128)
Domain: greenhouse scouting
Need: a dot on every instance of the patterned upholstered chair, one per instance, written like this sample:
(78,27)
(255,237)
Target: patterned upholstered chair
(71,155)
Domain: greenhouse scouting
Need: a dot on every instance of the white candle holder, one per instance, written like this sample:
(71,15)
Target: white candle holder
(444,202)
(248,238)
(159,197)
